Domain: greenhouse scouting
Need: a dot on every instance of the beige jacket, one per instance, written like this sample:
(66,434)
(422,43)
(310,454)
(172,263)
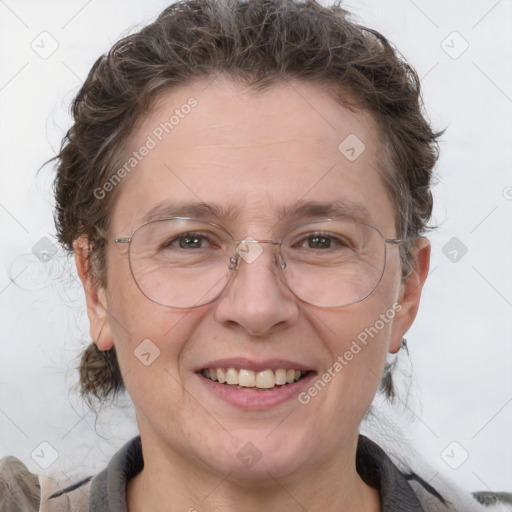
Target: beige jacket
(70,502)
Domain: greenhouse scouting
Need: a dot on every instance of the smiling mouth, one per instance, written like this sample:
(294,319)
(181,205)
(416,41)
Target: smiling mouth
(256,380)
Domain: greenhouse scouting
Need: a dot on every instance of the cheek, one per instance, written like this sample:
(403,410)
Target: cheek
(366,324)
(357,338)
(150,353)
(149,338)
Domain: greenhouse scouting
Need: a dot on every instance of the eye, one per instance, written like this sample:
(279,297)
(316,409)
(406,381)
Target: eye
(321,241)
(187,241)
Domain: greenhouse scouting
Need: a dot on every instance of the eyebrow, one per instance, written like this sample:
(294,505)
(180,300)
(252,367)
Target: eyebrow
(337,209)
(197,210)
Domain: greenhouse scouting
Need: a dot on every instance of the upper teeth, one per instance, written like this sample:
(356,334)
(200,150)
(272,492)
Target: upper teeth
(265,379)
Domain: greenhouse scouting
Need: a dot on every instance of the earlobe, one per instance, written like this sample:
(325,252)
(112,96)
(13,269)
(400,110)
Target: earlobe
(95,297)
(410,293)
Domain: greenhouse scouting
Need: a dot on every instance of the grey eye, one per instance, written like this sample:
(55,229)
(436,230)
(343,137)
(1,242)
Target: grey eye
(319,242)
(190,242)
(187,241)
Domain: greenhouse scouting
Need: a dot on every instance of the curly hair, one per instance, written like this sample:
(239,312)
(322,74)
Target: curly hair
(257,43)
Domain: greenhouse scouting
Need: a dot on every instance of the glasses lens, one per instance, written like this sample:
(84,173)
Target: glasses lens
(185,263)
(180,262)
(333,263)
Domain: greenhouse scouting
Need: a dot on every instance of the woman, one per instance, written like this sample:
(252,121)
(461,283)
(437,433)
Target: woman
(245,188)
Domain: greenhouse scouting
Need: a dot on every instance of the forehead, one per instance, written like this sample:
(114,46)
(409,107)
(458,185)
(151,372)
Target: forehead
(253,156)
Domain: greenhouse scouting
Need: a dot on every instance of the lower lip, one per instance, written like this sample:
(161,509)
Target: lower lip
(251,399)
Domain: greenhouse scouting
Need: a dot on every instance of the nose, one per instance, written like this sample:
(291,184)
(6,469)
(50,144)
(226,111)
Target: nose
(257,299)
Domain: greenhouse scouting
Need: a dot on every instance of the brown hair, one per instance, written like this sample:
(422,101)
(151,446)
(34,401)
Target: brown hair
(257,43)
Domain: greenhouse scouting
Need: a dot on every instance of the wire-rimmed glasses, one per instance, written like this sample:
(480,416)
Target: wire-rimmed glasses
(181,262)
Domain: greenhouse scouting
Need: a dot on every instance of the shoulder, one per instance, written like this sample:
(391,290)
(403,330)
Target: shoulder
(105,492)
(19,488)
(394,459)
(494,499)
(412,487)
(22,491)
(74,498)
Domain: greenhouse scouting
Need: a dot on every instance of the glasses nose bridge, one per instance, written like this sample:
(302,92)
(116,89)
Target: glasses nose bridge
(252,251)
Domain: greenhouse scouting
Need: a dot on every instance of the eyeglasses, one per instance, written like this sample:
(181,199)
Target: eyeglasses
(186,263)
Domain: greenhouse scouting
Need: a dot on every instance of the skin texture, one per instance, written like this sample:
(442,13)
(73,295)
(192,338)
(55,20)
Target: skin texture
(257,153)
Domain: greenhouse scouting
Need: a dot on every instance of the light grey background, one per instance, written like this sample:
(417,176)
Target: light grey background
(460,345)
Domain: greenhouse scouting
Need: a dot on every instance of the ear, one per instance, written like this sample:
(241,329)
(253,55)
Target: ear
(95,297)
(410,293)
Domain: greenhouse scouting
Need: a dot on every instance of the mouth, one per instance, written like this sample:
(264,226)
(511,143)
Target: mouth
(263,380)
(254,385)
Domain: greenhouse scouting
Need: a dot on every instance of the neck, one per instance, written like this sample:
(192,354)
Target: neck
(170,482)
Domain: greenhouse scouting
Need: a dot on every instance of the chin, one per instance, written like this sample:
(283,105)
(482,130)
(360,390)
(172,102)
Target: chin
(257,458)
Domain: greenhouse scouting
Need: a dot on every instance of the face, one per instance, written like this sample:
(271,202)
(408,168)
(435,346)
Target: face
(252,156)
